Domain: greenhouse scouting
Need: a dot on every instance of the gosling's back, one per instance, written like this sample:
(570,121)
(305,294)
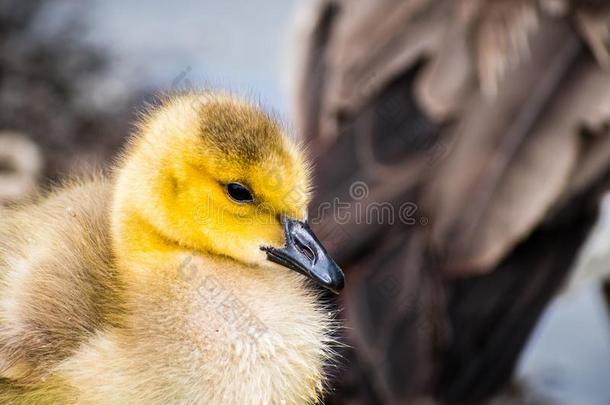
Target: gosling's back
(57,281)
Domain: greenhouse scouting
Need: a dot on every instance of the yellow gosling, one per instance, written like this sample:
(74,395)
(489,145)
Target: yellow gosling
(185,278)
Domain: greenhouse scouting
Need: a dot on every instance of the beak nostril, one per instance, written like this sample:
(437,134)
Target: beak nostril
(305,250)
(303,253)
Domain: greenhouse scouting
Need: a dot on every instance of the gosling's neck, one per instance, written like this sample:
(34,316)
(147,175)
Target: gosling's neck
(134,236)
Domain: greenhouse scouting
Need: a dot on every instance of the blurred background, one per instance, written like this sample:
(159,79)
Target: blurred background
(483,123)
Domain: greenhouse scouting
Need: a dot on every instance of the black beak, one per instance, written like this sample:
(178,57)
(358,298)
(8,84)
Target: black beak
(305,254)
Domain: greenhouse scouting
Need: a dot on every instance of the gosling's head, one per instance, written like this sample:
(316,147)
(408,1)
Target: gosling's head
(215,174)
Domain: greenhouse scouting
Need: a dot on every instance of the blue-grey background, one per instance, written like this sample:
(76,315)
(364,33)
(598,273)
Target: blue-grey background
(238,44)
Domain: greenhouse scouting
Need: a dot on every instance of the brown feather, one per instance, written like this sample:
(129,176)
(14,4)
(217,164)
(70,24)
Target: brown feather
(481,205)
(502,38)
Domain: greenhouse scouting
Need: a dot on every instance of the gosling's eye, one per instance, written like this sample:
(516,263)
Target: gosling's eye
(239,193)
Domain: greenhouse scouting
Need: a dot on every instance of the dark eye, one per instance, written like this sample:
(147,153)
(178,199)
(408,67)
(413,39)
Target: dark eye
(239,193)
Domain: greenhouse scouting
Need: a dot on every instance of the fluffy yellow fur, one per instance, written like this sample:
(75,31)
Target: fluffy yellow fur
(151,287)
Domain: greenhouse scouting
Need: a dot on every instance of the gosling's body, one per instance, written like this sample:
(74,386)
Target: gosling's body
(98,304)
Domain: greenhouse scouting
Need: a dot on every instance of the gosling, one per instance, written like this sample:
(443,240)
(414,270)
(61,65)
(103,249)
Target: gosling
(185,277)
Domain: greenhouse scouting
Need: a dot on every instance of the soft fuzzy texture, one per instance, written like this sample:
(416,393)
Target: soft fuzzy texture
(129,289)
